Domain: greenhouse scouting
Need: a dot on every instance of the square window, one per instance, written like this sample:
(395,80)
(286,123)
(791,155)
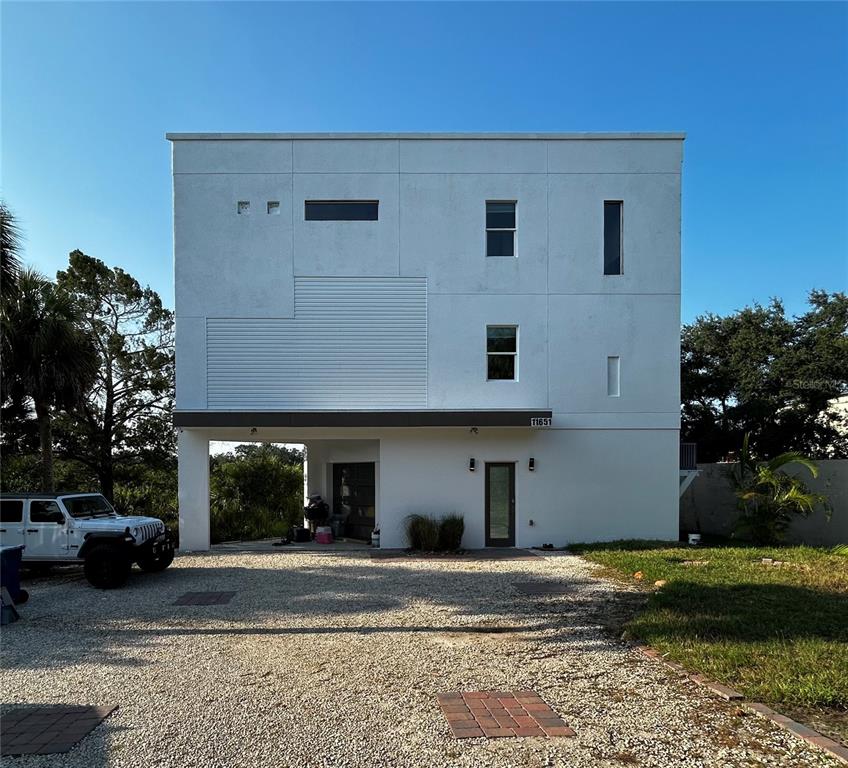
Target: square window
(45,512)
(500,228)
(501,368)
(11,511)
(500,215)
(500,243)
(274,207)
(243,207)
(501,352)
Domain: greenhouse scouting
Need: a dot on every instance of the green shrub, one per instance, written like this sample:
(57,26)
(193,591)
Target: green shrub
(769,498)
(451,529)
(147,491)
(422,533)
(255,493)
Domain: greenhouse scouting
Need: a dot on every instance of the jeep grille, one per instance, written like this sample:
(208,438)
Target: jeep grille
(147,531)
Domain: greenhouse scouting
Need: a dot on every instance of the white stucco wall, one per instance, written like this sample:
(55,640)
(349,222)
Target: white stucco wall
(607,468)
(588,485)
(432,195)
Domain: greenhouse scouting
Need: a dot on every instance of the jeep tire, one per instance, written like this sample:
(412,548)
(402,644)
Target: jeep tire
(107,566)
(155,564)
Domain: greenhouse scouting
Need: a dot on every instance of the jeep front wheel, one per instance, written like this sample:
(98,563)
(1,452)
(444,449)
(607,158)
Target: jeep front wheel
(155,564)
(106,567)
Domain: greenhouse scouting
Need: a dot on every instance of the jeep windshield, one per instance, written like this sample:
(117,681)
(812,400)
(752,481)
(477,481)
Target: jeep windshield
(94,505)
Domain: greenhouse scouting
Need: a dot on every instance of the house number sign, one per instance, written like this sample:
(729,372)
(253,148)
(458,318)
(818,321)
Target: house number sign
(540,422)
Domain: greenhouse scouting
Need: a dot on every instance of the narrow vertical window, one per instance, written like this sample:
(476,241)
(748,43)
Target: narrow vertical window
(613,376)
(613,211)
(501,352)
(500,228)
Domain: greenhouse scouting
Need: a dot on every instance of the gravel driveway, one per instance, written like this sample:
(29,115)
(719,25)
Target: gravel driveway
(335,659)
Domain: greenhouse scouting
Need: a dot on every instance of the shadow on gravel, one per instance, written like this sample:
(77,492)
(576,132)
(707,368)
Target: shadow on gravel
(68,622)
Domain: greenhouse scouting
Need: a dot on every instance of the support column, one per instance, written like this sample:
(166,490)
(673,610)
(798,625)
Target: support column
(193,493)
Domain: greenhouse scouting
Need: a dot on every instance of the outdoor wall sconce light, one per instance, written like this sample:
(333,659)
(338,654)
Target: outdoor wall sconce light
(253,430)
(472,465)
(531,465)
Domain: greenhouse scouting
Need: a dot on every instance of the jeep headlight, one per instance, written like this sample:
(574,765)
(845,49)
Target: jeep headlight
(134,532)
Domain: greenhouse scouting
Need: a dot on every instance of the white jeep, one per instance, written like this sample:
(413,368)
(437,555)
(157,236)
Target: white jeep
(84,528)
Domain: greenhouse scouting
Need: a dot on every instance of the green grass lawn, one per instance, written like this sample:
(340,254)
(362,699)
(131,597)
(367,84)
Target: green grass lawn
(777,635)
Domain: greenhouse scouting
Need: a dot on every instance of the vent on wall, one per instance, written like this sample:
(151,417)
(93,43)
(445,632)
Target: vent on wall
(243,207)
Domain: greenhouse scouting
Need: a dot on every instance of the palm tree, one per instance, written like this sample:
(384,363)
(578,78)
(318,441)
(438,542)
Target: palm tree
(768,497)
(10,249)
(46,357)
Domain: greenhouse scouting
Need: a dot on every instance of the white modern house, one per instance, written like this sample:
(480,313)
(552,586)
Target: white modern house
(485,324)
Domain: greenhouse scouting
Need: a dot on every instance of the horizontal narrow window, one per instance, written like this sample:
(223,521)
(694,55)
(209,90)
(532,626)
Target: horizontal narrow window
(500,228)
(501,352)
(341,210)
(612,237)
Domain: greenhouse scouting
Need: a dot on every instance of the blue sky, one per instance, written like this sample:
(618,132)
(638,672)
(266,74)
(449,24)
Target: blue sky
(88,91)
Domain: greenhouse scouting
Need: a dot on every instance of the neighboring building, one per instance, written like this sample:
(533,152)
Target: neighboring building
(480,324)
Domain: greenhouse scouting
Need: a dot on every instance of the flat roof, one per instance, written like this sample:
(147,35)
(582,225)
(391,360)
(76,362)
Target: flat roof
(674,135)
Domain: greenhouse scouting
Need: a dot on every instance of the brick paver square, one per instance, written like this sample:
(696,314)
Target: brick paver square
(48,730)
(500,714)
(205,598)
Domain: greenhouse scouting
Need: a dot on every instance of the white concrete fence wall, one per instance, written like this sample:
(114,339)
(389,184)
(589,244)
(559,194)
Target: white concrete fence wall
(710,500)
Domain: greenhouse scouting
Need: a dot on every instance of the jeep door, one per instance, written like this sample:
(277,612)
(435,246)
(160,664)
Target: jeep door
(46,530)
(12,522)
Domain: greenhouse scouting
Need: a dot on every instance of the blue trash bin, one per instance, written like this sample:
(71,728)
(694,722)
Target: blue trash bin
(10,572)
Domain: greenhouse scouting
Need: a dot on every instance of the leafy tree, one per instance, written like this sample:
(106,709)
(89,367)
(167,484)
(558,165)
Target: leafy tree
(10,249)
(757,371)
(768,497)
(143,489)
(23,472)
(47,357)
(283,453)
(255,492)
(127,411)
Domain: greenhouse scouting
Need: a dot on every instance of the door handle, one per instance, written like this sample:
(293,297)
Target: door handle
(32,530)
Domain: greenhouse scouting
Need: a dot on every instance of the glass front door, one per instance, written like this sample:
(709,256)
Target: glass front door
(500,504)
(354,496)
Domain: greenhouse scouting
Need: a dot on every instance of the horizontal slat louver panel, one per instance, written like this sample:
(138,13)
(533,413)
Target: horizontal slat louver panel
(353,343)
